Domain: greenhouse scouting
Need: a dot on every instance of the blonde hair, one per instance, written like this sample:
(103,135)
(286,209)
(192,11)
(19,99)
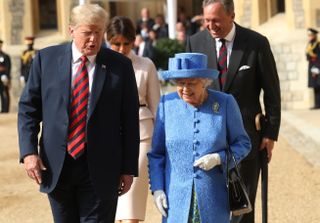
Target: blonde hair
(88,14)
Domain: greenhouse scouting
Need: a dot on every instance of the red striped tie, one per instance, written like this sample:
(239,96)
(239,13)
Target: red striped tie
(222,62)
(78,111)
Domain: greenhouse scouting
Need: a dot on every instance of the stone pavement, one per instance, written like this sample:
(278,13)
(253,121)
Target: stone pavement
(301,128)
(294,171)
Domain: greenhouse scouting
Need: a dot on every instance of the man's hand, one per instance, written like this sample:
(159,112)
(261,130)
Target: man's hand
(267,144)
(22,81)
(160,199)
(125,184)
(33,165)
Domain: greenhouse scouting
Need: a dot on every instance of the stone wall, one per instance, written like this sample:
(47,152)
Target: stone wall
(245,19)
(16,8)
(298,11)
(16,87)
(292,70)
(1,17)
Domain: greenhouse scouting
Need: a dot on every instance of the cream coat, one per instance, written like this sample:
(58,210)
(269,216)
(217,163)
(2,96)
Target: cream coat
(149,92)
(132,205)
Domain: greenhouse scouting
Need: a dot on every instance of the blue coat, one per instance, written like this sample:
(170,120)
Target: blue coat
(183,134)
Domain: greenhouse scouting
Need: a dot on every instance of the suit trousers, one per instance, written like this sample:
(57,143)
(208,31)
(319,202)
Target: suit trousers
(249,170)
(317,97)
(5,98)
(74,199)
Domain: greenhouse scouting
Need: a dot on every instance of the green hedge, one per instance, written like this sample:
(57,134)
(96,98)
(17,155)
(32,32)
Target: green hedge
(164,49)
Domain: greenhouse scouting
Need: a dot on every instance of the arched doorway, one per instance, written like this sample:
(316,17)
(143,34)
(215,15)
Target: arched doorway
(276,7)
(281,6)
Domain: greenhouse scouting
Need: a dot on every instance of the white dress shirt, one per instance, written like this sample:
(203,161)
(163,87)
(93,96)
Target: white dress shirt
(76,61)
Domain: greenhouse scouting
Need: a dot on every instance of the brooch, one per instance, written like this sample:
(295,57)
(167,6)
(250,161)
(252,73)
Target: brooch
(215,107)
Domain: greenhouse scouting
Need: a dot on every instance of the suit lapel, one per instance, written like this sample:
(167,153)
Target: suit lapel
(212,58)
(211,50)
(64,72)
(239,46)
(98,81)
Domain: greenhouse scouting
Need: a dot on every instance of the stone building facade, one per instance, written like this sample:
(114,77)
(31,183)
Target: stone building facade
(283,21)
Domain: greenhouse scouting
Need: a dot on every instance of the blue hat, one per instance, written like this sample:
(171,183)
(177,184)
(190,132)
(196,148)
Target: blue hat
(189,65)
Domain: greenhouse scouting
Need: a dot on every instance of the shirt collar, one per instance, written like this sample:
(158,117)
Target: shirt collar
(76,55)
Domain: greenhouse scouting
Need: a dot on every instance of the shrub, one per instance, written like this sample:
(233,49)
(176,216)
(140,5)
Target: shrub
(164,49)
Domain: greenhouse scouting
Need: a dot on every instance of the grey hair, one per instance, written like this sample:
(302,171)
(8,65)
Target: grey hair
(227,4)
(207,82)
(88,14)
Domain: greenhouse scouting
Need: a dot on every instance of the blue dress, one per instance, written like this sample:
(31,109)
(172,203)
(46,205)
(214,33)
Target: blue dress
(184,133)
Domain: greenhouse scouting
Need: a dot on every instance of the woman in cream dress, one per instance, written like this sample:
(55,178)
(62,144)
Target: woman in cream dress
(121,35)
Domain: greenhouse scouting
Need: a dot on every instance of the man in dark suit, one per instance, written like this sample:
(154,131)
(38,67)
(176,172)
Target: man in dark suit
(5,77)
(247,67)
(86,100)
(144,20)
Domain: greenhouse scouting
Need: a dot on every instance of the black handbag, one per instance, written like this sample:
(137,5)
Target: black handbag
(239,201)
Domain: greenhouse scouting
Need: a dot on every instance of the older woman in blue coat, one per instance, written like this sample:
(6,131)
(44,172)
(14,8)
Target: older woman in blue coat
(193,128)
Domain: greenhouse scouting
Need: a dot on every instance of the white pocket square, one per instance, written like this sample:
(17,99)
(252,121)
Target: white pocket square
(244,67)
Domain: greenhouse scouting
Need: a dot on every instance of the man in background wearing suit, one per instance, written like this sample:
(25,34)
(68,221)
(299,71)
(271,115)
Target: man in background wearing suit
(144,20)
(247,67)
(26,59)
(5,77)
(86,100)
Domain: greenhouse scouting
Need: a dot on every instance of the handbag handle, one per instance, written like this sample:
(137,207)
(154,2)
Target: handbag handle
(230,153)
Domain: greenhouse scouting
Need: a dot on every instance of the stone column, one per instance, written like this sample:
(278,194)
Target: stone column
(63,15)
(312,18)
(172,17)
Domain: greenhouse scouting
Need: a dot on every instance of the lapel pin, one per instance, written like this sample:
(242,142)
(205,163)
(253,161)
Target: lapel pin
(215,107)
(103,66)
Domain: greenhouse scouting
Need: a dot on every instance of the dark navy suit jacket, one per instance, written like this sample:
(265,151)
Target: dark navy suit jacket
(112,123)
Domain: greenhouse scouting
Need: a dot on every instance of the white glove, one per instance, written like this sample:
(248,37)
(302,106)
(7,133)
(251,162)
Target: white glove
(315,70)
(208,161)
(4,80)
(22,80)
(160,200)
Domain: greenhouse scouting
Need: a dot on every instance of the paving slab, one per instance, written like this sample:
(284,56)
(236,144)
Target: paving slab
(294,185)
